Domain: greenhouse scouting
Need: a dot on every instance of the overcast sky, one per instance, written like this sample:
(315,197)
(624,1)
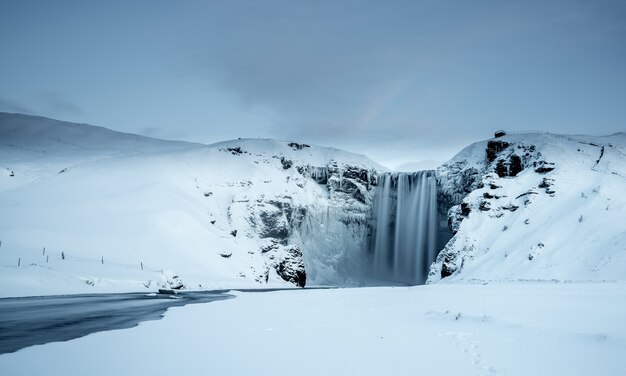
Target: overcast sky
(400,81)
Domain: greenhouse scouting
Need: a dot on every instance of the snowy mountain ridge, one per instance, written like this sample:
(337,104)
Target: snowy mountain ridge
(86,209)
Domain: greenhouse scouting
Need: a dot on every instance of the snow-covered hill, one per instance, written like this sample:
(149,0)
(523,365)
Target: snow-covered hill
(42,147)
(123,212)
(530,206)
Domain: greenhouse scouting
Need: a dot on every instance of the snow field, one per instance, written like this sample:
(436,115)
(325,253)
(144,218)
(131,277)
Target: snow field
(495,329)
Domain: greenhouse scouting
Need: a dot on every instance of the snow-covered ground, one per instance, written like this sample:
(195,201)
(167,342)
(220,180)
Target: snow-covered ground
(494,329)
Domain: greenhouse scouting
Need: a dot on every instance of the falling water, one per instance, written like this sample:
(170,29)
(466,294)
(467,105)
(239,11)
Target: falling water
(405,222)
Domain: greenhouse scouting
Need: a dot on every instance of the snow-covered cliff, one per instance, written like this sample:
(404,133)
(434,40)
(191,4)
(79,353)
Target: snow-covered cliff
(83,208)
(529,206)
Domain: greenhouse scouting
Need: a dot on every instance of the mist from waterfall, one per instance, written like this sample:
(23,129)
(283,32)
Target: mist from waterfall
(405,227)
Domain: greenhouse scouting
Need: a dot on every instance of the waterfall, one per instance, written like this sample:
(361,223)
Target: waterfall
(405,224)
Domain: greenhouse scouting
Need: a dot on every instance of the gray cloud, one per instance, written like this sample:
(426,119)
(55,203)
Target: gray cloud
(400,81)
(56,103)
(8,105)
(413,73)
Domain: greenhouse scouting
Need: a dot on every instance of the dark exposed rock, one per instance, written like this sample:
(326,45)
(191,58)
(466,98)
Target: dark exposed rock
(469,180)
(351,172)
(600,157)
(213,222)
(291,267)
(501,168)
(235,151)
(484,206)
(175,283)
(359,195)
(509,167)
(226,254)
(510,207)
(273,226)
(515,165)
(321,177)
(543,167)
(448,267)
(526,194)
(446,271)
(286,163)
(545,183)
(348,186)
(233,233)
(465,209)
(499,133)
(275,217)
(297,146)
(494,147)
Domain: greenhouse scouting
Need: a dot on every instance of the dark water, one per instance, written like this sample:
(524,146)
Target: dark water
(37,320)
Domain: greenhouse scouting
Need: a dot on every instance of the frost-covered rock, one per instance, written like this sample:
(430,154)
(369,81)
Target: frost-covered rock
(290,266)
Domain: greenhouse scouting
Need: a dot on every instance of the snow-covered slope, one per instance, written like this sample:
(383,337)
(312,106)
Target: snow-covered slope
(535,206)
(42,147)
(120,212)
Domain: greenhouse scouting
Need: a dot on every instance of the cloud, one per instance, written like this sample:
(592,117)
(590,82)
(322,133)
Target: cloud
(9,105)
(164,133)
(56,103)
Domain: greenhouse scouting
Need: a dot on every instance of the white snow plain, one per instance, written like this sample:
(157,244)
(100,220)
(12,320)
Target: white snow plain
(463,329)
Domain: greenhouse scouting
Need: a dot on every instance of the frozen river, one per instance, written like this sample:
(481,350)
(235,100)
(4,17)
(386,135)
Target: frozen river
(37,320)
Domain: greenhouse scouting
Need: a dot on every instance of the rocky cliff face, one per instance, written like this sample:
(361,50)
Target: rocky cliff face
(306,217)
(329,234)
(534,206)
